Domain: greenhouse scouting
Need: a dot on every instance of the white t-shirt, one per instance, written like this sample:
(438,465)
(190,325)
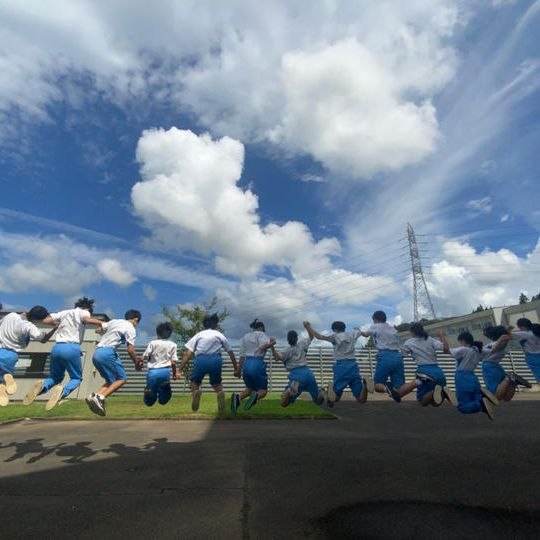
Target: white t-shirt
(467,358)
(208,341)
(251,343)
(160,353)
(490,356)
(295,356)
(71,327)
(16,332)
(384,336)
(423,351)
(117,332)
(344,343)
(529,342)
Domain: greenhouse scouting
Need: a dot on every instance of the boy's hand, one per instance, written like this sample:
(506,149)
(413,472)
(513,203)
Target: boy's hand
(176,375)
(139,365)
(272,341)
(237,373)
(306,324)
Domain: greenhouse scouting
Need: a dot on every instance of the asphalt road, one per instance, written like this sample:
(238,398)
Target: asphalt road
(381,471)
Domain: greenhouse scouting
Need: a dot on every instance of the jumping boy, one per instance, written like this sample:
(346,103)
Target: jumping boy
(528,335)
(346,371)
(301,378)
(66,353)
(206,346)
(389,359)
(107,361)
(16,332)
(161,355)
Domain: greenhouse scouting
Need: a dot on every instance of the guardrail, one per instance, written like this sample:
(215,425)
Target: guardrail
(320,361)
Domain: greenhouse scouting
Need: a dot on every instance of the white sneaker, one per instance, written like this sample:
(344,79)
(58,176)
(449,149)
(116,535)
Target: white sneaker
(450,396)
(96,404)
(10,383)
(487,394)
(438,395)
(488,407)
(56,394)
(34,392)
(330,395)
(196,399)
(293,389)
(221,402)
(4,398)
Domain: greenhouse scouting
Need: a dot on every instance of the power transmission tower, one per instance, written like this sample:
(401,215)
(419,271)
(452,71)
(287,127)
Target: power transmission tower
(423,307)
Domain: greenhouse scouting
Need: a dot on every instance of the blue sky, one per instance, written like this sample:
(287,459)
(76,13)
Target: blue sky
(272,156)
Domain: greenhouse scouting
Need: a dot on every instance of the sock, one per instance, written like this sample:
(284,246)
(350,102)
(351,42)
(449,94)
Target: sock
(100,396)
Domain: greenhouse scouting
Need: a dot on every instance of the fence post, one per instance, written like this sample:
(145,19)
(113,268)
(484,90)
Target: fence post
(518,388)
(321,370)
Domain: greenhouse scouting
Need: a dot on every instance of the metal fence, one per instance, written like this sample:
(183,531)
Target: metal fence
(320,360)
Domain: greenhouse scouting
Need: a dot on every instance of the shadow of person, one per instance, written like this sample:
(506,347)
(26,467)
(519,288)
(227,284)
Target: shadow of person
(122,450)
(30,446)
(156,444)
(77,452)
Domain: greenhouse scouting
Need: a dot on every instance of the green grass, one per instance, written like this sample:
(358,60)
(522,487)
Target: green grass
(132,407)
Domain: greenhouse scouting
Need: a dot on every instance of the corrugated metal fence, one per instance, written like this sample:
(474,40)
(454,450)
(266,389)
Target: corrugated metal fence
(320,361)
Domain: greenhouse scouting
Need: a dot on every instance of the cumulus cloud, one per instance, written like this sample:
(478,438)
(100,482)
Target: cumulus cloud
(113,271)
(258,72)
(465,277)
(481,206)
(190,198)
(149,292)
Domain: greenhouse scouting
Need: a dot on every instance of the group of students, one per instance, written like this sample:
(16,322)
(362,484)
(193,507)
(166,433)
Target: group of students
(161,355)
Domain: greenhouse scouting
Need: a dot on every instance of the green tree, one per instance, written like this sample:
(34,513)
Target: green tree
(535,297)
(187,321)
(523,298)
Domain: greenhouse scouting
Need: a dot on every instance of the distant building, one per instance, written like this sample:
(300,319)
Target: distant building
(476,322)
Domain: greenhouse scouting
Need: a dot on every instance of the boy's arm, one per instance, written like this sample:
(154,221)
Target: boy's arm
(314,334)
(232,356)
(48,335)
(269,345)
(133,355)
(92,320)
(49,321)
(442,337)
(276,355)
(501,343)
(185,359)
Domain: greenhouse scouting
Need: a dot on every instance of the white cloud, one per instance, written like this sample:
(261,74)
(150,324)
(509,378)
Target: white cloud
(481,206)
(505,218)
(149,292)
(239,69)
(189,198)
(112,270)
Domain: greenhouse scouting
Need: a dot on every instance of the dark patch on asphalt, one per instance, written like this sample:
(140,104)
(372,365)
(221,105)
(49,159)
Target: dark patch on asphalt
(418,519)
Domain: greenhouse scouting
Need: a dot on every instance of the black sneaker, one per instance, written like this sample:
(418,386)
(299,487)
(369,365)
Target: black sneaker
(519,380)
(392,392)
(235,402)
(251,400)
(320,398)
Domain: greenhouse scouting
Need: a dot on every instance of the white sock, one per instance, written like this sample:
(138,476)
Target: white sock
(100,396)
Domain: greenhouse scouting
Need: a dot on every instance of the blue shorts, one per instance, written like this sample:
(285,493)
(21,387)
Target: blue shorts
(493,374)
(468,393)
(207,364)
(346,373)
(158,386)
(307,383)
(254,373)
(109,365)
(8,359)
(533,361)
(436,373)
(389,366)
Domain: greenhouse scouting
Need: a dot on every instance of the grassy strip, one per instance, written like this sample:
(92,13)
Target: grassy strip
(132,407)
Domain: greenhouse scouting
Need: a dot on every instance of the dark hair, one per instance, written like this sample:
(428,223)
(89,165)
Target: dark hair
(379,316)
(211,321)
(257,325)
(85,303)
(528,325)
(338,326)
(164,330)
(467,337)
(37,313)
(292,337)
(495,332)
(132,314)
(417,330)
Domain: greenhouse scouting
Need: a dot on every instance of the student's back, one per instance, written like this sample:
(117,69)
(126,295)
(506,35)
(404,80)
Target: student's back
(71,325)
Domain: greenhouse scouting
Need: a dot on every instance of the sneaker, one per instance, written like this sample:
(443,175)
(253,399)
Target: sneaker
(96,404)
(331,397)
(293,389)
(221,402)
(285,398)
(487,407)
(450,396)
(519,380)
(369,384)
(196,400)
(320,398)
(235,402)
(10,383)
(423,377)
(438,397)
(34,392)
(487,394)
(4,398)
(56,394)
(392,392)
(251,400)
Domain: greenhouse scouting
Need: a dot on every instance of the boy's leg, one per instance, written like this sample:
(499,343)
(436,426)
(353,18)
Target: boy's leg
(165,392)
(359,390)
(409,387)
(150,393)
(73,366)
(8,359)
(220,396)
(216,382)
(382,372)
(469,402)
